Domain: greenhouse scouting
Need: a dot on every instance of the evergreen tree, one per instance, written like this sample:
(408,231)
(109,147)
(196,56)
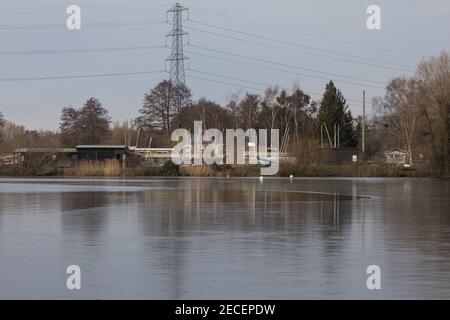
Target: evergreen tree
(335,111)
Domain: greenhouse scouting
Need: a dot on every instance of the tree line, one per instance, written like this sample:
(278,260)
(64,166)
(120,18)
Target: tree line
(413,115)
(294,113)
(14,136)
(167,107)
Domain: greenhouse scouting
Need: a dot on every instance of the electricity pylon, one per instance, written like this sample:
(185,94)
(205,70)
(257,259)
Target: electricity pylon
(177,56)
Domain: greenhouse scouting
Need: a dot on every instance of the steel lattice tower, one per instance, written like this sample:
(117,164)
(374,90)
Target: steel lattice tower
(177,56)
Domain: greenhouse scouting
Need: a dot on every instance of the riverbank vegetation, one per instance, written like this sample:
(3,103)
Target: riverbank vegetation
(112,168)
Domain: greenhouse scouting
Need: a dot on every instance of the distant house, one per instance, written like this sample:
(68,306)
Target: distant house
(156,156)
(8,159)
(101,152)
(63,156)
(395,157)
(66,157)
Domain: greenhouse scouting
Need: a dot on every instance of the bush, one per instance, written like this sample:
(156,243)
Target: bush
(170,169)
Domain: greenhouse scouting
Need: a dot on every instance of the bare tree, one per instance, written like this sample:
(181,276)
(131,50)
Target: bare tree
(161,105)
(210,113)
(433,78)
(270,108)
(248,110)
(301,115)
(400,111)
(70,131)
(16,136)
(233,107)
(88,125)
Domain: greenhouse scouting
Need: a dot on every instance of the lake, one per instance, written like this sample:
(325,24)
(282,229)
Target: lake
(224,238)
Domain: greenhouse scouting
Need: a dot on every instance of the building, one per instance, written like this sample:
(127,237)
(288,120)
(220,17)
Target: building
(154,156)
(8,159)
(101,152)
(395,157)
(339,156)
(67,157)
(64,157)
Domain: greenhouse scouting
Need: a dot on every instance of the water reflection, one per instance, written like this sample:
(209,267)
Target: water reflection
(226,238)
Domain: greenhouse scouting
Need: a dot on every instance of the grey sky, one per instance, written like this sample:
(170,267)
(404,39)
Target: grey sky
(416,28)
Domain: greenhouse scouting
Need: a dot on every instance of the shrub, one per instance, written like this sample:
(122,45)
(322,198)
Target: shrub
(170,169)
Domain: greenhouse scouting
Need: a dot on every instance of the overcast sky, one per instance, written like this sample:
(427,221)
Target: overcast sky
(335,30)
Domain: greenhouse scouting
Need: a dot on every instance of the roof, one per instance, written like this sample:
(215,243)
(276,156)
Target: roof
(102,147)
(153,149)
(395,152)
(45,150)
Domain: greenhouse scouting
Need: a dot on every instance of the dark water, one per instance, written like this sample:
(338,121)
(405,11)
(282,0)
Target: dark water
(225,238)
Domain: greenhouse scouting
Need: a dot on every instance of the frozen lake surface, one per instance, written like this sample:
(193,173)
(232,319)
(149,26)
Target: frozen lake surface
(225,238)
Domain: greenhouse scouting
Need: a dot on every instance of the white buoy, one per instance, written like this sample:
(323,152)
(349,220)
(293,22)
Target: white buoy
(261,178)
(291,176)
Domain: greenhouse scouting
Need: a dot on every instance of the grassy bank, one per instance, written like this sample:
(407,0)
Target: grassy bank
(113,168)
(26,171)
(354,170)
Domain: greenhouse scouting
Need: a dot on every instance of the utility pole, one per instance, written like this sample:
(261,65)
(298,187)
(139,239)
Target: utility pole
(321,135)
(338,136)
(177,56)
(363,124)
(137,138)
(334,137)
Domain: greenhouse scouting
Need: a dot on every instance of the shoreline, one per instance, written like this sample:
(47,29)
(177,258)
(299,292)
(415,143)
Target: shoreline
(171,170)
(137,178)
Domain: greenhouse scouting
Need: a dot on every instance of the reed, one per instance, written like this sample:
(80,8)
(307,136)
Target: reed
(107,168)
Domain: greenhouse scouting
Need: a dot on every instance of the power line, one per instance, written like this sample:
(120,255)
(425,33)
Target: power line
(119,49)
(315,36)
(261,84)
(307,47)
(92,25)
(318,96)
(41,78)
(232,78)
(104,6)
(274,69)
(96,25)
(290,66)
(90,50)
(64,51)
(224,82)
(297,32)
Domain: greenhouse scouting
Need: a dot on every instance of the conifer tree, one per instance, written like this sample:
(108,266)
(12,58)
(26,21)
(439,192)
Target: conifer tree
(333,111)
